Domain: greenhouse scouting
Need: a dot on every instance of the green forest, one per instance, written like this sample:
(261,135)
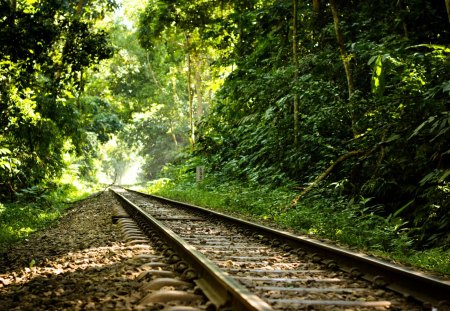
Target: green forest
(327,117)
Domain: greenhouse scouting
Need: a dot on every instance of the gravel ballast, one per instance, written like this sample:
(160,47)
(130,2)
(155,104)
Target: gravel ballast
(83,262)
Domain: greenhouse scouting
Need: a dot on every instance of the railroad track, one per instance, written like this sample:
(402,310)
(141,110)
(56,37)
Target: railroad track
(243,266)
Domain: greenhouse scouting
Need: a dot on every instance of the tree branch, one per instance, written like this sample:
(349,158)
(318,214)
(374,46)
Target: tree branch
(351,154)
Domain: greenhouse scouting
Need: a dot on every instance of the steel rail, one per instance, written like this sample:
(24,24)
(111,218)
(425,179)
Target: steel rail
(220,288)
(412,284)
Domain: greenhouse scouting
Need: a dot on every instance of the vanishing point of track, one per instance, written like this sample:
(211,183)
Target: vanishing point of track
(239,265)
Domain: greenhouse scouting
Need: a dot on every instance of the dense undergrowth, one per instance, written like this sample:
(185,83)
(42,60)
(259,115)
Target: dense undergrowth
(323,214)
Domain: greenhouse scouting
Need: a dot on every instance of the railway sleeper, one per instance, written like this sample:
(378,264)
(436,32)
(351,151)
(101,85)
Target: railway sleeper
(302,292)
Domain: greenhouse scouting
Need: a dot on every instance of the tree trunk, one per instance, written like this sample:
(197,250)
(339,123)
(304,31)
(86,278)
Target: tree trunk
(80,6)
(80,90)
(345,60)
(404,25)
(189,90)
(12,18)
(175,101)
(295,63)
(241,8)
(343,52)
(447,5)
(13,6)
(354,153)
(174,137)
(199,88)
(191,108)
(152,73)
(316,6)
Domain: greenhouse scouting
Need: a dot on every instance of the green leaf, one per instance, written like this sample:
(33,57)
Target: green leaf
(401,209)
(372,59)
(427,178)
(392,138)
(378,77)
(417,130)
(446,87)
(4,151)
(435,47)
(441,132)
(444,175)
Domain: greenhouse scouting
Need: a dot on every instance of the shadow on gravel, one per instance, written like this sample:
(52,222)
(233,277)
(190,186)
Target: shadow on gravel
(110,285)
(78,263)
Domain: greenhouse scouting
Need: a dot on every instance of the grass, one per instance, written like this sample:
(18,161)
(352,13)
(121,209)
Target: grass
(323,215)
(30,214)
(17,221)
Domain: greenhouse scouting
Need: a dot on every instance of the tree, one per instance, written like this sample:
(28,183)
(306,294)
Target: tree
(45,47)
(145,88)
(447,5)
(345,61)
(295,63)
(197,25)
